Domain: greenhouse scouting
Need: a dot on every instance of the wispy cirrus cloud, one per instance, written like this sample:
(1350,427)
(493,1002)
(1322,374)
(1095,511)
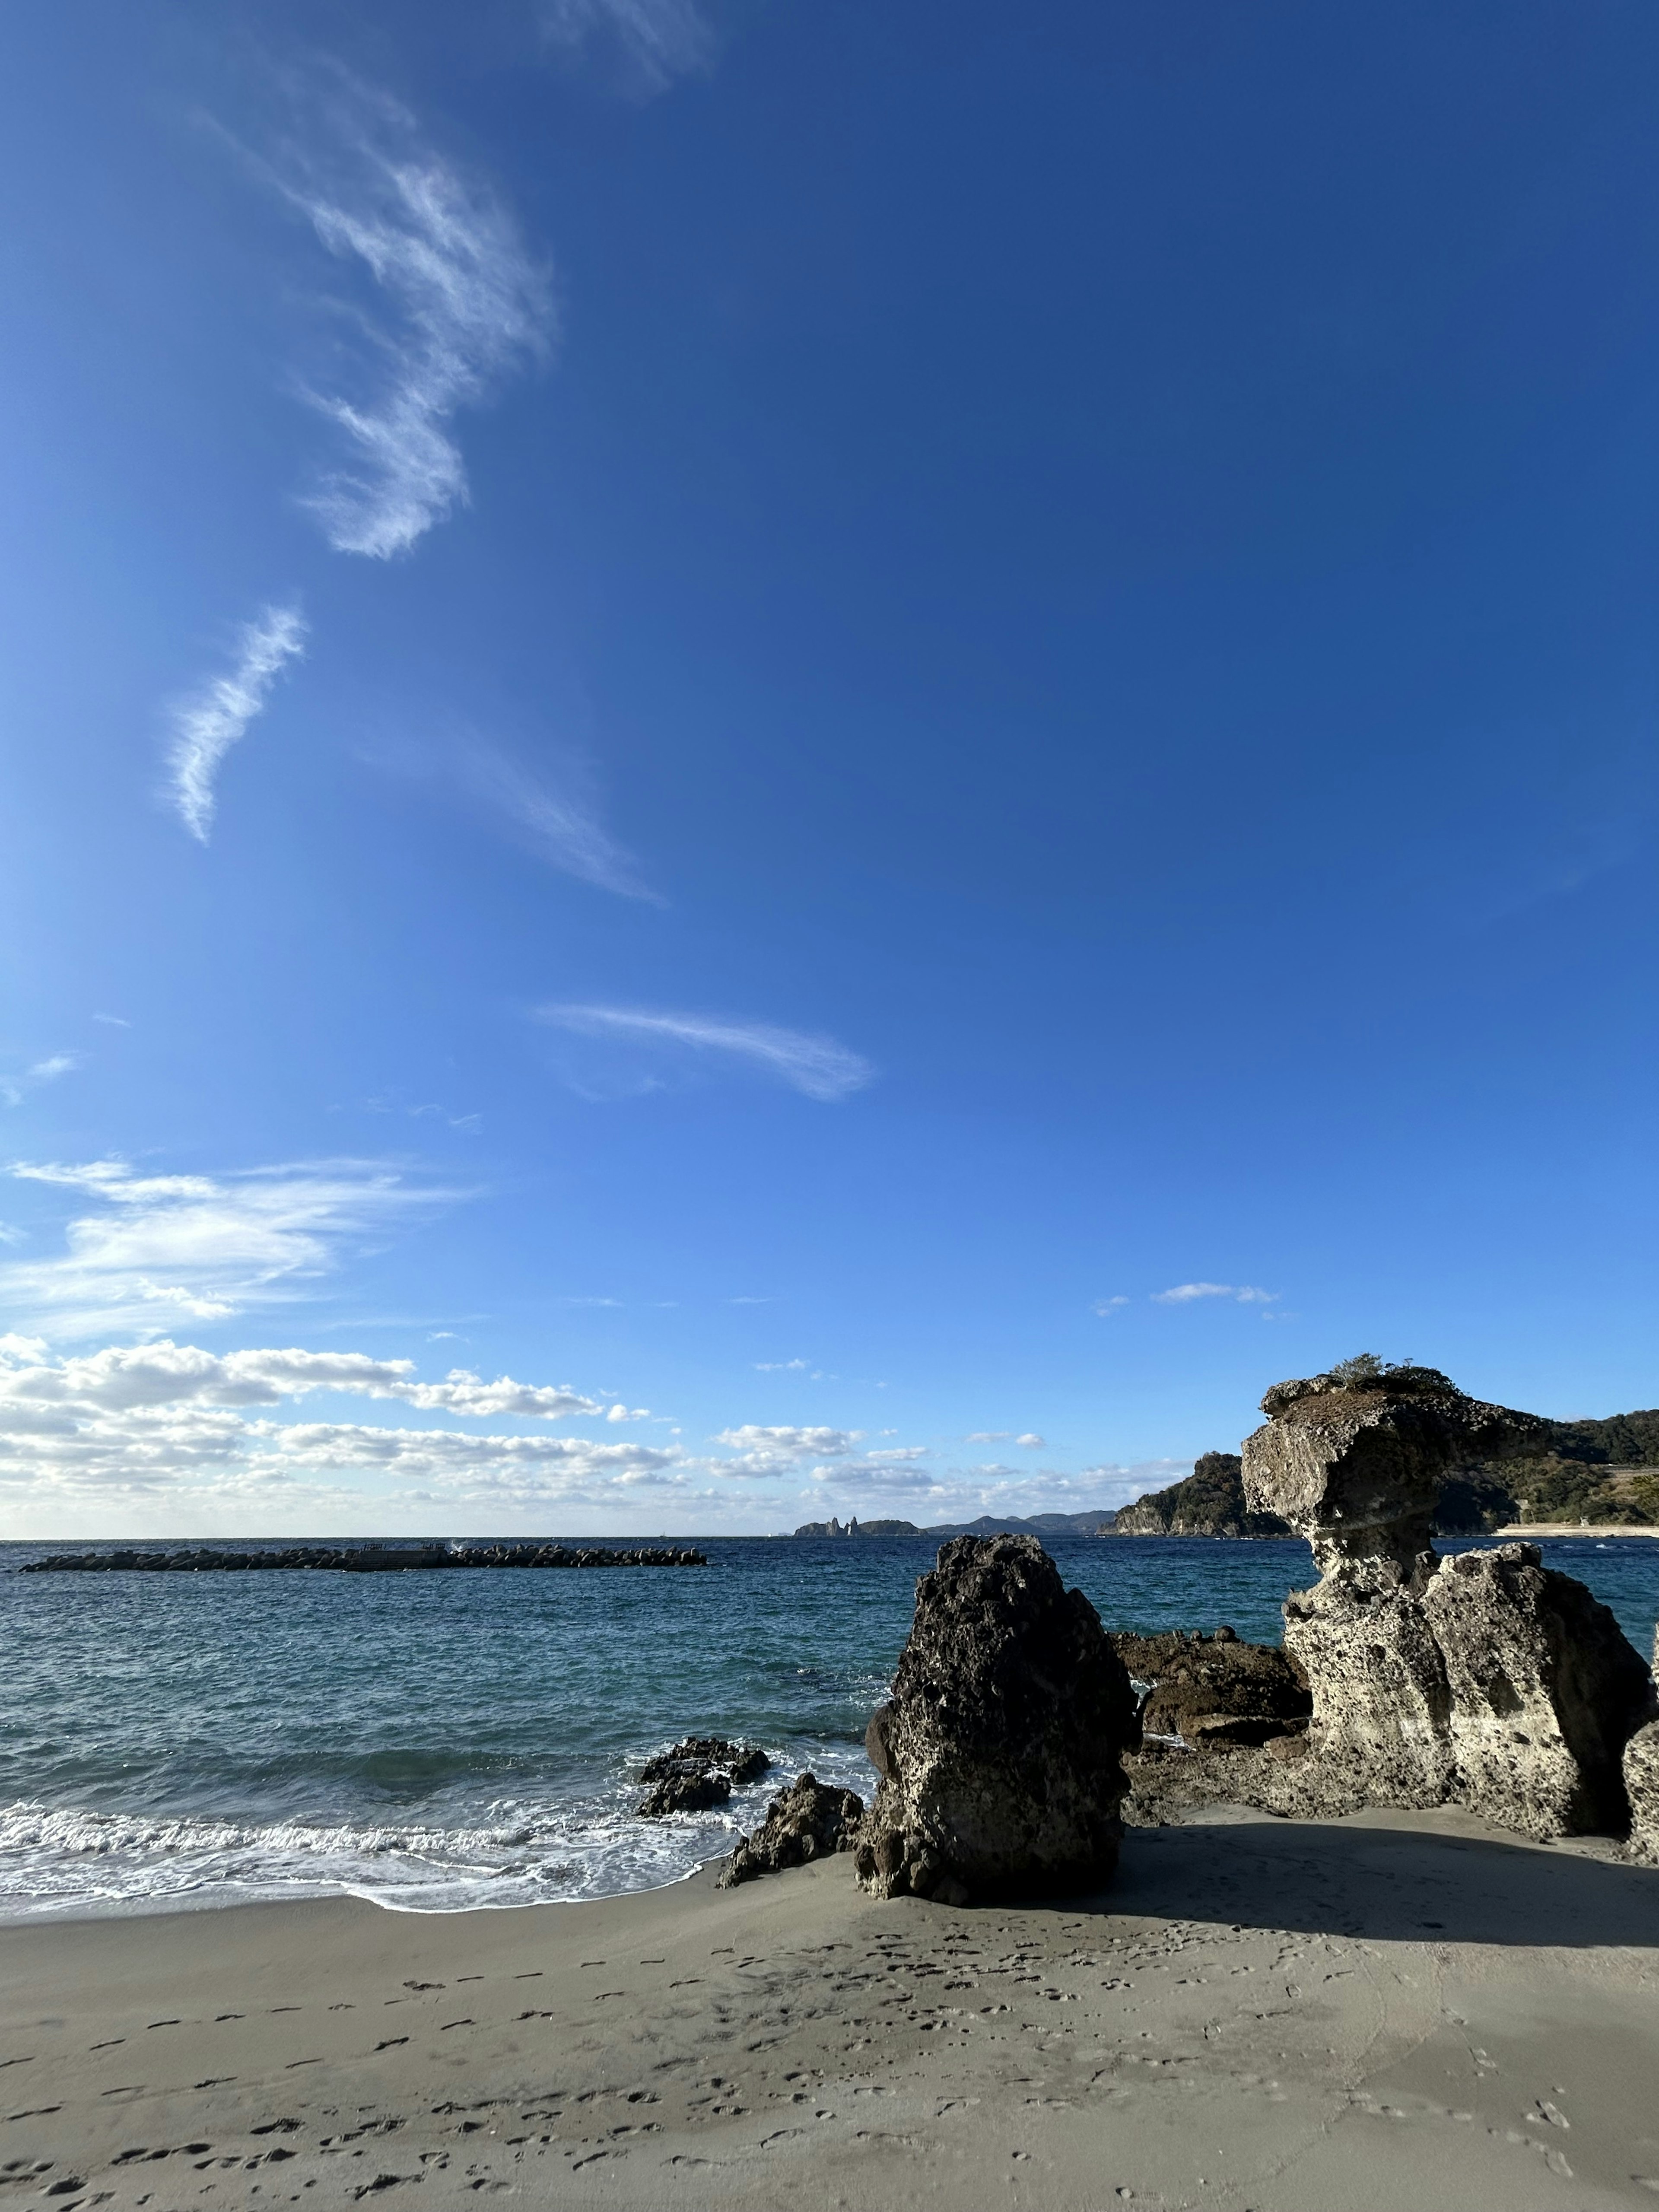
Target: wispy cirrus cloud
(1243,1294)
(656,40)
(554,817)
(818,1066)
(454,301)
(155,1252)
(208,722)
(14,1089)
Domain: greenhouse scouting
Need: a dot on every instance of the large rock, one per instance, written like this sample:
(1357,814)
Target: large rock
(1546,1693)
(810,1821)
(1000,1754)
(1487,1679)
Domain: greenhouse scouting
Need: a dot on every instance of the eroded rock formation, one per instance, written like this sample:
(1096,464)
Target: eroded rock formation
(999,1753)
(810,1821)
(1487,1679)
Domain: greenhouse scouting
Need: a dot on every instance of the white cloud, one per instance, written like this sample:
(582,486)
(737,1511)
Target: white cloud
(1107,1307)
(14,1089)
(779,1366)
(1032,1442)
(457,303)
(658,40)
(208,723)
(962,1494)
(817,1066)
(987,1436)
(780,1450)
(159,1251)
(168,1422)
(1243,1294)
(557,823)
(113,1021)
(121,1377)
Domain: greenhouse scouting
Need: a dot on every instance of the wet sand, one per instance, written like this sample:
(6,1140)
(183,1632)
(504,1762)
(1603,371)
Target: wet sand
(1385,2014)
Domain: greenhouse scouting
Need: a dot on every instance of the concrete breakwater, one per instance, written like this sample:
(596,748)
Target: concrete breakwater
(366,1559)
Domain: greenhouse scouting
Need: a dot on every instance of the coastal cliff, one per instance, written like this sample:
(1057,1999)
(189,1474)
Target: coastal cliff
(1209,1502)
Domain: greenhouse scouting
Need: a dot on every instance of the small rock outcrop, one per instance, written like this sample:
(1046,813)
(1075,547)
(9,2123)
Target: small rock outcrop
(698,1774)
(999,1753)
(740,1762)
(1487,1679)
(810,1820)
(1215,1692)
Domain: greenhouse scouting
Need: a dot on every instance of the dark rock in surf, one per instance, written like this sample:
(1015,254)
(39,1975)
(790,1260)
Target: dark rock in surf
(742,1763)
(810,1821)
(687,1789)
(999,1753)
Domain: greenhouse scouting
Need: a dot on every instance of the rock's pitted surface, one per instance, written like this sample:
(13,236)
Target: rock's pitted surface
(1546,1693)
(1642,1783)
(810,1820)
(1486,1680)
(1215,1692)
(1382,1707)
(999,1753)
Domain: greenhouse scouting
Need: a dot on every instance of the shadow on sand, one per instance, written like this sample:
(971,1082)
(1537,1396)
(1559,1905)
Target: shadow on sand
(1391,1878)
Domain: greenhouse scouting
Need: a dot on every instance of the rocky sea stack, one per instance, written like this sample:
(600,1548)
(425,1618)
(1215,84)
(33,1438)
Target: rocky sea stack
(1001,1751)
(1487,1679)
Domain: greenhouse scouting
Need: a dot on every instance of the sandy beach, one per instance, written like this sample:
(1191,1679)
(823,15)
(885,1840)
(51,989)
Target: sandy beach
(1389,2012)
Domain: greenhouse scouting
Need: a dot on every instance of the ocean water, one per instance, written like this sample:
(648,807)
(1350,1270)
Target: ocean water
(436,1741)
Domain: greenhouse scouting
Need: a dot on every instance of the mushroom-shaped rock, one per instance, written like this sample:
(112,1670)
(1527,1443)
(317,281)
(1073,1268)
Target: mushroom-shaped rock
(1353,1460)
(1486,1680)
(1000,1753)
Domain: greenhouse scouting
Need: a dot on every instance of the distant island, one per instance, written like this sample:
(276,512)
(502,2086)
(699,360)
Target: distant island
(1095,1524)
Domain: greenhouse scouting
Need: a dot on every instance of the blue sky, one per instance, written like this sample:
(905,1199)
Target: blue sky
(763,760)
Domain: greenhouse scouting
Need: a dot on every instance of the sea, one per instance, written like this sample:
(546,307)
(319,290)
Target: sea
(440,1741)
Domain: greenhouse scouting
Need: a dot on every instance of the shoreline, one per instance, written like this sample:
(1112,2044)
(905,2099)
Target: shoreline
(1257,2013)
(1527,1531)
